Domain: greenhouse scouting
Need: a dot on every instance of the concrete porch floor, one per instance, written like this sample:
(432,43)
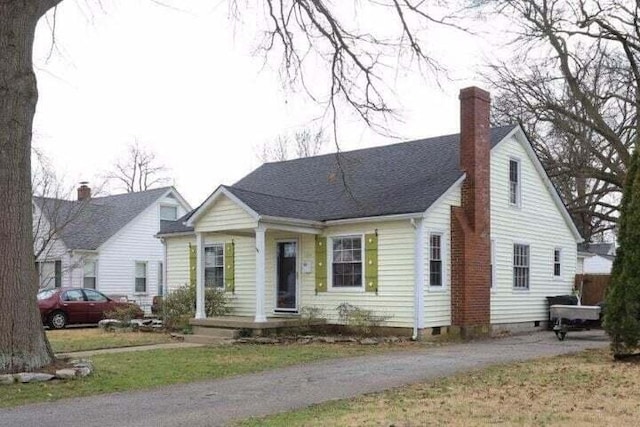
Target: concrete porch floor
(246,322)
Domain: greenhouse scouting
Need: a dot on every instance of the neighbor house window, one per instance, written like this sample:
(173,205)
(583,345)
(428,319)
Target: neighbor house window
(521,266)
(49,274)
(169,213)
(435,260)
(214,266)
(141,277)
(557,256)
(160,278)
(89,280)
(347,262)
(514,182)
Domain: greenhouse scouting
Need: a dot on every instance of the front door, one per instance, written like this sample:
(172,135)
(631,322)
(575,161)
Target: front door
(287,276)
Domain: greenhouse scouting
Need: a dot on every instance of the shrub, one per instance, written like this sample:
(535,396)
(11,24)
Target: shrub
(360,320)
(180,305)
(124,314)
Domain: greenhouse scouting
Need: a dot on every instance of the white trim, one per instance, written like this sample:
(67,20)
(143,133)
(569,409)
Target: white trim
(553,263)
(296,309)
(187,207)
(200,309)
(260,273)
(419,277)
(94,260)
(290,221)
(366,219)
(444,256)
(146,277)
(513,287)
(222,288)
(330,287)
(219,192)
(518,203)
(180,234)
(293,229)
(446,194)
(493,285)
(520,136)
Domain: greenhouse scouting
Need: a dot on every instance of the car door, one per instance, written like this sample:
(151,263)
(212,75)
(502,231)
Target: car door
(97,305)
(74,305)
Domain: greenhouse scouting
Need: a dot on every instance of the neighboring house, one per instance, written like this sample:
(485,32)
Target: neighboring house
(105,243)
(597,257)
(459,230)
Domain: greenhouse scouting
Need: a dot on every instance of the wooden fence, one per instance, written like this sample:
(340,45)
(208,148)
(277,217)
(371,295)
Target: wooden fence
(594,287)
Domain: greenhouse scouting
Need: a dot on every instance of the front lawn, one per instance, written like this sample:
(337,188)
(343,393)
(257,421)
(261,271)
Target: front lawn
(583,389)
(137,370)
(69,340)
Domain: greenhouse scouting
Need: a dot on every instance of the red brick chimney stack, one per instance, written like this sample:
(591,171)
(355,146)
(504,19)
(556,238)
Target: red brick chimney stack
(84,191)
(470,223)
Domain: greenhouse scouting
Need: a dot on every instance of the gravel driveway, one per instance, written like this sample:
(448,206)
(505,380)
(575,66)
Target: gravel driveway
(211,403)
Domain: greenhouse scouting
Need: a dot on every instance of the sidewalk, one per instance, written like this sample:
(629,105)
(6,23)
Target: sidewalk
(218,402)
(89,353)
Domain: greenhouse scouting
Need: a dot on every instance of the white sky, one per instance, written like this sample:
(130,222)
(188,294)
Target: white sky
(187,85)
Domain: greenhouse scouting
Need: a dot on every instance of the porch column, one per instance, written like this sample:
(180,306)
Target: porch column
(260,276)
(200,312)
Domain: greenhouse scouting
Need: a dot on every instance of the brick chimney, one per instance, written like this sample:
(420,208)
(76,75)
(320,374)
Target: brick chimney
(84,191)
(470,223)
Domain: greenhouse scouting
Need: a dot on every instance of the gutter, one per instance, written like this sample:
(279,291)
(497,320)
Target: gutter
(418,274)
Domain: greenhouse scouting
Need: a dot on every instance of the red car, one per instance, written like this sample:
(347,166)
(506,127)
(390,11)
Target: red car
(63,306)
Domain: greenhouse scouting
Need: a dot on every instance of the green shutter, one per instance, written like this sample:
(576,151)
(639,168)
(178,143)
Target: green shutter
(371,262)
(321,264)
(229,267)
(193,261)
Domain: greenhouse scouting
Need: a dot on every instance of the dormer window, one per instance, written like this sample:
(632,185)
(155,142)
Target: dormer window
(514,182)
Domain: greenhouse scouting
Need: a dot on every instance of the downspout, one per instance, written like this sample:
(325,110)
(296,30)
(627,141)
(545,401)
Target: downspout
(418,270)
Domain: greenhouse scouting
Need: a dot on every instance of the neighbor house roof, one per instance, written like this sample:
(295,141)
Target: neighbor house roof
(90,223)
(603,249)
(400,178)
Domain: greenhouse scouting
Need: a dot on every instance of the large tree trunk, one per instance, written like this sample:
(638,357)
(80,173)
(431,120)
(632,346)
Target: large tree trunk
(23,344)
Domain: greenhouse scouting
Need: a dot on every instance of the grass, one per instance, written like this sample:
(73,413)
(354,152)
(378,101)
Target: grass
(69,340)
(583,389)
(138,370)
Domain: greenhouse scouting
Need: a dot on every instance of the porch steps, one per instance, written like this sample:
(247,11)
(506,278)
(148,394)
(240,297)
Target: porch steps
(223,333)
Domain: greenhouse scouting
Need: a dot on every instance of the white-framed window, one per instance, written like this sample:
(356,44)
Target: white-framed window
(141,277)
(436,276)
(90,274)
(514,182)
(520,266)
(168,212)
(49,273)
(493,264)
(160,278)
(346,262)
(214,266)
(557,262)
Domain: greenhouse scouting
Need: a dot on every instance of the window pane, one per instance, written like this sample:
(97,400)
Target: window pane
(89,268)
(521,266)
(347,261)
(94,296)
(169,213)
(141,284)
(141,269)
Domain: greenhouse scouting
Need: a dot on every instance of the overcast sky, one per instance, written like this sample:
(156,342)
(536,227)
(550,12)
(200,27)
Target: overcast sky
(188,85)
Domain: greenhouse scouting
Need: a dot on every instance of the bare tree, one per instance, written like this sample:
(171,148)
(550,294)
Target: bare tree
(138,170)
(305,143)
(573,84)
(306,33)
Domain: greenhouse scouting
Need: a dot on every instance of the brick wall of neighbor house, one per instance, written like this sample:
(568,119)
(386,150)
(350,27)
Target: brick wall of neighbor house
(470,230)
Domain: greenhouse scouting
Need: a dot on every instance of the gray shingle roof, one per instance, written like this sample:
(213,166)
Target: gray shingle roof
(602,249)
(93,222)
(394,179)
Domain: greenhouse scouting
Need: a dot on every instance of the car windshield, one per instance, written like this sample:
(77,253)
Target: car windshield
(46,294)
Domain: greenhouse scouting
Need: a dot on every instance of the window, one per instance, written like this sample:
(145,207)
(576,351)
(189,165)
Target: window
(214,266)
(514,182)
(347,262)
(435,260)
(557,255)
(141,277)
(47,274)
(521,266)
(168,213)
(160,279)
(73,295)
(89,280)
(94,296)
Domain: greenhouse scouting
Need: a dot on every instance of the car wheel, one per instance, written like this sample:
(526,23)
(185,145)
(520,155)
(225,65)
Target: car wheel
(58,320)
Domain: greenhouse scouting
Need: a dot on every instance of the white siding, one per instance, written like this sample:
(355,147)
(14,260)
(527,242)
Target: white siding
(225,215)
(178,261)
(437,300)
(537,222)
(597,264)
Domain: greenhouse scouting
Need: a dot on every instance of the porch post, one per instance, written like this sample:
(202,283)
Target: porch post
(260,276)
(200,311)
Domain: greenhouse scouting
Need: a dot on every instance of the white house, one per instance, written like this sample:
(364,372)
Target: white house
(105,243)
(597,257)
(460,231)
